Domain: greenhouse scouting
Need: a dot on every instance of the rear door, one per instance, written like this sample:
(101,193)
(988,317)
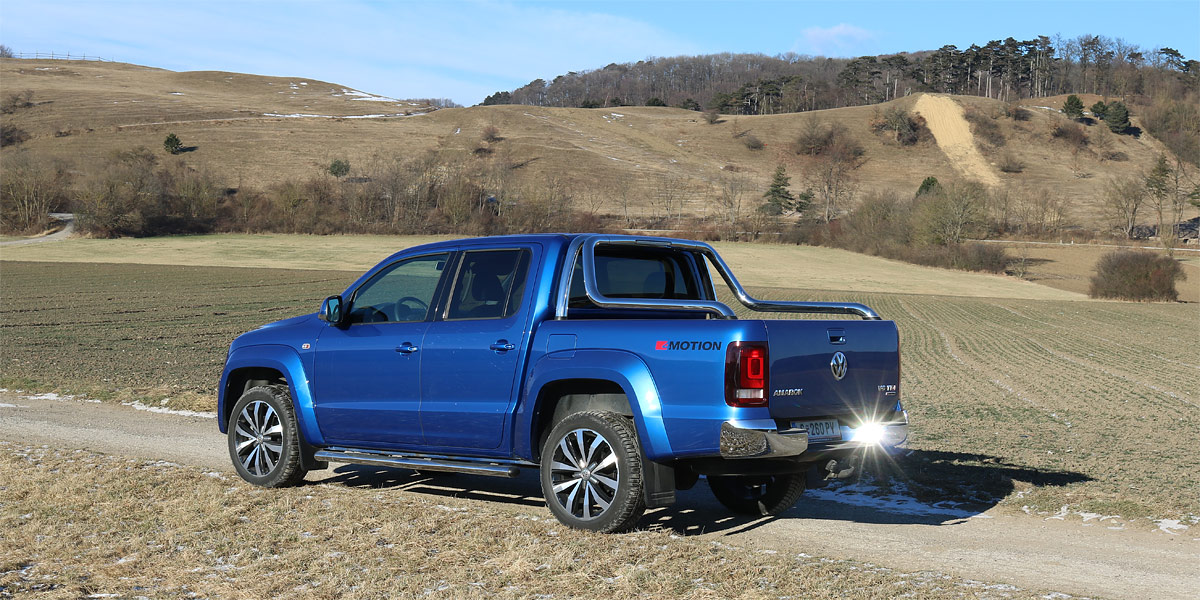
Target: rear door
(832,368)
(473,354)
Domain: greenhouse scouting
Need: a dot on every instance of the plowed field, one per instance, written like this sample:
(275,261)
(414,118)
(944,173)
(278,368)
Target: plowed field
(1044,404)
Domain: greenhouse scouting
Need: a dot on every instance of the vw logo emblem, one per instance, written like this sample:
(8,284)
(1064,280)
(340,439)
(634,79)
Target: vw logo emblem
(838,366)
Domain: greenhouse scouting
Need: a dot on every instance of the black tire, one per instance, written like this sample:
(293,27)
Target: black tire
(764,495)
(264,440)
(611,455)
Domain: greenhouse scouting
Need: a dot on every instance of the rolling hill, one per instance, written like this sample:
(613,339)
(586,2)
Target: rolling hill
(256,130)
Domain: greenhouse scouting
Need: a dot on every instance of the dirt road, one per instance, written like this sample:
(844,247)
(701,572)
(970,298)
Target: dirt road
(1025,551)
(68,227)
(949,127)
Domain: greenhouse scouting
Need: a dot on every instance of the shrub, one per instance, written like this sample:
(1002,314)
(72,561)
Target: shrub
(655,101)
(172,144)
(491,134)
(711,116)
(1070,133)
(1140,276)
(1016,113)
(1009,163)
(1116,156)
(907,129)
(11,135)
(339,168)
(14,101)
(985,127)
(818,139)
(752,142)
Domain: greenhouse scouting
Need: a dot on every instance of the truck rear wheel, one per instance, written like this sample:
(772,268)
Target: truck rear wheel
(592,472)
(264,439)
(757,495)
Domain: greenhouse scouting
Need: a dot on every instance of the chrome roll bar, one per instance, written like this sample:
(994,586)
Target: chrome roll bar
(586,244)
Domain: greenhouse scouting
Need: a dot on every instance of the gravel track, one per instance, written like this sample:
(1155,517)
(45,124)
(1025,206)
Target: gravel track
(1026,551)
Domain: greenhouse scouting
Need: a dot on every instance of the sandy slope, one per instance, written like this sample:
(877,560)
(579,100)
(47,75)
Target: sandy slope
(945,120)
(1029,552)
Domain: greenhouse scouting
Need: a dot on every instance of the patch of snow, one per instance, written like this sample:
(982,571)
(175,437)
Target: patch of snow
(175,93)
(49,396)
(312,116)
(860,495)
(6,405)
(1170,526)
(458,131)
(616,115)
(368,97)
(303,83)
(170,411)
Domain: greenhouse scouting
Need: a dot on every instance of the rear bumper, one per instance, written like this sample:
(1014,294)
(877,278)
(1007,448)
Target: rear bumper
(762,439)
(748,439)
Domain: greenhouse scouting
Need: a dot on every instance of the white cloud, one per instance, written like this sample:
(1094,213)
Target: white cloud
(839,40)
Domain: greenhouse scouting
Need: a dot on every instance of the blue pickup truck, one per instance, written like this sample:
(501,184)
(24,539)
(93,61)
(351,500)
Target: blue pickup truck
(606,362)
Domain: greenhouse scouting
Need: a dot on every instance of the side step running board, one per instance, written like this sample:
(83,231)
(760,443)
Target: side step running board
(475,466)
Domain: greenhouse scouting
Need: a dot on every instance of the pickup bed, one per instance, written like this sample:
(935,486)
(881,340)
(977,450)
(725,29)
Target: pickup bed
(605,362)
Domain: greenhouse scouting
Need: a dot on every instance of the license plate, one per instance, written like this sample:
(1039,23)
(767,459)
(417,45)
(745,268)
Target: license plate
(827,429)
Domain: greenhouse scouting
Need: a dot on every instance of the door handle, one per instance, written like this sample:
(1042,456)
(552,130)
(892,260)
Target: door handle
(503,346)
(406,348)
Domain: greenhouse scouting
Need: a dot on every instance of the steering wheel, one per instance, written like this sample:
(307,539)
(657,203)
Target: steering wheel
(421,304)
(415,307)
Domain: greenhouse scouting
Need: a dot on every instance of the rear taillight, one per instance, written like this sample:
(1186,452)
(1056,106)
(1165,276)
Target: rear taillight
(746,374)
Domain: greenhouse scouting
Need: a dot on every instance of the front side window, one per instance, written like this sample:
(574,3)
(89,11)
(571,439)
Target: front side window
(400,293)
(490,284)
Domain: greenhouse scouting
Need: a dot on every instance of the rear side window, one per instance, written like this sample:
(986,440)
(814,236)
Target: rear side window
(490,284)
(638,273)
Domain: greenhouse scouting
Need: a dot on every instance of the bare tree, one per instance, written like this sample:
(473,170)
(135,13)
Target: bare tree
(1122,201)
(731,187)
(954,213)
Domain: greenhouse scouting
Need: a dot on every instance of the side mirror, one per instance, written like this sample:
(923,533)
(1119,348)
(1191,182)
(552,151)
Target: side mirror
(331,310)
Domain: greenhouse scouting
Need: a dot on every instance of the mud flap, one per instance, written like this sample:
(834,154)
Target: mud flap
(658,484)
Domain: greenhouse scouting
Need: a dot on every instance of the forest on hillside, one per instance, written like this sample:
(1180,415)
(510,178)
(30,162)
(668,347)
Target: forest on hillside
(1160,81)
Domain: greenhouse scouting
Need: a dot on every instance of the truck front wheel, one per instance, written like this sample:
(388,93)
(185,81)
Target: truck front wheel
(592,472)
(757,495)
(264,439)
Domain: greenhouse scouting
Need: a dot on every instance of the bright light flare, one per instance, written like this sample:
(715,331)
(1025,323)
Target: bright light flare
(869,433)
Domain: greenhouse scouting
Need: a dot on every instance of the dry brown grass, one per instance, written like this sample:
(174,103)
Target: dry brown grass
(1070,267)
(607,153)
(77,524)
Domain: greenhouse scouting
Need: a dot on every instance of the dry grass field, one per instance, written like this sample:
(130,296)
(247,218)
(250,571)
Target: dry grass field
(1069,267)
(122,527)
(607,157)
(806,267)
(1037,402)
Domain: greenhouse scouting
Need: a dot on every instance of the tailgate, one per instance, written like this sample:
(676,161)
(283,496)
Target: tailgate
(806,358)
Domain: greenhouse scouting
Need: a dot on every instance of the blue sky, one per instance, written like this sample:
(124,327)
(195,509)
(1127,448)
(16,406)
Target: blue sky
(465,50)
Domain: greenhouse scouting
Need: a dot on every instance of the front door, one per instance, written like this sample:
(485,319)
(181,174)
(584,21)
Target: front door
(367,375)
(472,356)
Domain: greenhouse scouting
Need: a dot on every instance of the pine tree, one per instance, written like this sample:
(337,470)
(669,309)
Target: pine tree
(1099,109)
(172,144)
(779,198)
(1117,117)
(1073,107)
